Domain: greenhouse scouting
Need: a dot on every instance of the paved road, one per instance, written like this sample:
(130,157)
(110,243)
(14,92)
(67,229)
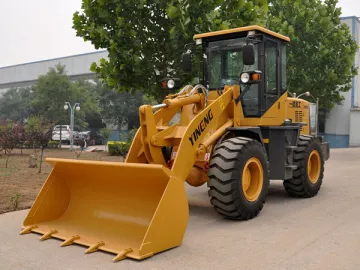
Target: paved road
(318,233)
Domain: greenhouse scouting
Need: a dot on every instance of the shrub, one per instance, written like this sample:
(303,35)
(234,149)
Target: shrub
(39,131)
(14,201)
(53,144)
(118,148)
(11,134)
(121,148)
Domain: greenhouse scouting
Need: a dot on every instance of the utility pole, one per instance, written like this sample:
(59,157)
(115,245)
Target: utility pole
(60,135)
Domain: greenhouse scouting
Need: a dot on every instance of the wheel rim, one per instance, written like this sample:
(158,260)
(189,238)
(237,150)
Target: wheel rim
(252,179)
(314,166)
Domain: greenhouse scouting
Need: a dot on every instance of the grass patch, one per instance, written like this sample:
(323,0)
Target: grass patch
(7,171)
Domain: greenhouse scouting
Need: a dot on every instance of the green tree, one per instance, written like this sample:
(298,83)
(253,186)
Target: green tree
(15,104)
(322,50)
(106,133)
(120,108)
(145,38)
(54,88)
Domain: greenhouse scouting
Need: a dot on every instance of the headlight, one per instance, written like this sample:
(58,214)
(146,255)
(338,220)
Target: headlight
(245,77)
(170,84)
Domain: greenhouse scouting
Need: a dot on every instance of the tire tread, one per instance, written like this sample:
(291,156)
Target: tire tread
(298,186)
(222,181)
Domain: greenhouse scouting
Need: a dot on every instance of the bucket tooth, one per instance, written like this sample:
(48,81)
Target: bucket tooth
(69,241)
(28,229)
(48,235)
(94,247)
(122,254)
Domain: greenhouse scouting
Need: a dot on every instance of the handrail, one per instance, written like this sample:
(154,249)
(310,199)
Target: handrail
(205,91)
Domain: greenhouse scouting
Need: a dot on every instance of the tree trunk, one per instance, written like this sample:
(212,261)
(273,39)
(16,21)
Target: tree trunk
(34,149)
(41,158)
(7,159)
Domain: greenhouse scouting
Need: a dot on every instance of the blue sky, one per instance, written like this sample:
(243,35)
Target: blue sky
(41,29)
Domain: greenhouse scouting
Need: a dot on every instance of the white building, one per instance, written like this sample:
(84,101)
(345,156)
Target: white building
(342,127)
(77,67)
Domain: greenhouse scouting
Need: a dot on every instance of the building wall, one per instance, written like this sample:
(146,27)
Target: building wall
(354,128)
(341,126)
(77,66)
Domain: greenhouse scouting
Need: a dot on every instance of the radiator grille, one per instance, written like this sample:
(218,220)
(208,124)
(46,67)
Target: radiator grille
(298,116)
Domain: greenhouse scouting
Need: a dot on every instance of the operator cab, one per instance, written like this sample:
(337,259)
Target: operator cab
(253,57)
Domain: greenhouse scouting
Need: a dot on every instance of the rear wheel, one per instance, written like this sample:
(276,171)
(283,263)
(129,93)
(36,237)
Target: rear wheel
(238,178)
(308,176)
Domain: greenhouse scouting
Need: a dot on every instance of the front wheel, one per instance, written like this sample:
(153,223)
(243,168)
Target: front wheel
(238,178)
(307,178)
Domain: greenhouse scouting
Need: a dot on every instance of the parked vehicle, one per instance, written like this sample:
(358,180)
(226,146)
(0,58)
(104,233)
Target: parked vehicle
(92,137)
(65,133)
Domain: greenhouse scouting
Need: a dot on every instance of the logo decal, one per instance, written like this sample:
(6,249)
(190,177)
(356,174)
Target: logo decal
(295,104)
(201,127)
(222,105)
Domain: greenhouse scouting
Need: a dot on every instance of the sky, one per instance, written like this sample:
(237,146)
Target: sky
(42,29)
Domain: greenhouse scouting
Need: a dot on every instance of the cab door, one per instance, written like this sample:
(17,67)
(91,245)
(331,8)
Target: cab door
(272,72)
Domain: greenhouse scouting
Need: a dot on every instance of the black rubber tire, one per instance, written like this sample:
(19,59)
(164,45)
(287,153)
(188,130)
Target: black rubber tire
(300,185)
(225,173)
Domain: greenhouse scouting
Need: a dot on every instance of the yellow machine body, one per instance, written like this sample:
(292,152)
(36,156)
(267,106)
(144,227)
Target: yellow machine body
(138,208)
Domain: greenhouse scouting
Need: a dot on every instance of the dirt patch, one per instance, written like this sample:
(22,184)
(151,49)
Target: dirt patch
(19,184)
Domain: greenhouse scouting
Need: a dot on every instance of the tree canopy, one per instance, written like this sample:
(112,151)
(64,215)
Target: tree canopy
(15,104)
(322,50)
(145,38)
(120,108)
(54,88)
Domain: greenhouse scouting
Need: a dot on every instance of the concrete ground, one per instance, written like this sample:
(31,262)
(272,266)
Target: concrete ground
(318,233)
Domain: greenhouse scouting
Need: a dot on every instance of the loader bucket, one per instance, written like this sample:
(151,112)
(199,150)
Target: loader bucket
(129,209)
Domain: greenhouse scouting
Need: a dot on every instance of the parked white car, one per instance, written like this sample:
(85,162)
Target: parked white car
(65,133)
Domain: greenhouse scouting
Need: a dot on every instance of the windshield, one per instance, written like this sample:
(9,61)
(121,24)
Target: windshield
(226,63)
(63,128)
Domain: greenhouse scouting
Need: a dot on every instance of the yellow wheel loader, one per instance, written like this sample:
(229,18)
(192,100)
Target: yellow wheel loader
(235,131)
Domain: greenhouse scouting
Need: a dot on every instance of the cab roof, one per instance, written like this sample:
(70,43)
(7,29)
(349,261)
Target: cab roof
(242,29)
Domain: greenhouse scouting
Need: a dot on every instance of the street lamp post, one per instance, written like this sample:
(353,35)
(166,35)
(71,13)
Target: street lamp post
(72,112)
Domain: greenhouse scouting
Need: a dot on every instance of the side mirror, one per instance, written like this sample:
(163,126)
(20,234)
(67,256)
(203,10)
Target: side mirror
(248,54)
(186,62)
